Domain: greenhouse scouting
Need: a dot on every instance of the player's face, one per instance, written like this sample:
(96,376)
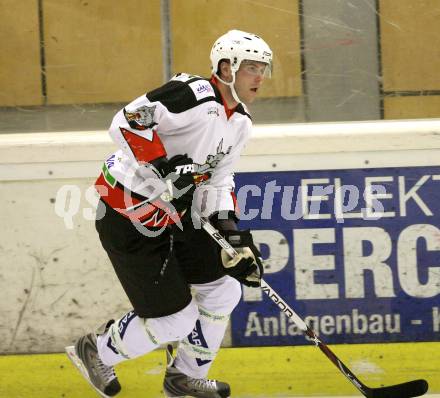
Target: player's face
(249,79)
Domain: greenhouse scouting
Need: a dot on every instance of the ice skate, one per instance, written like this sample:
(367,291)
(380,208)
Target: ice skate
(176,384)
(84,355)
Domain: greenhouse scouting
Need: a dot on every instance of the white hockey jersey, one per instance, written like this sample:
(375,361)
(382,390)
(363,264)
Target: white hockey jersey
(187,115)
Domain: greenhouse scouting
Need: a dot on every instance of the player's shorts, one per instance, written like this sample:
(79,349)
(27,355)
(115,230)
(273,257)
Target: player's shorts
(155,279)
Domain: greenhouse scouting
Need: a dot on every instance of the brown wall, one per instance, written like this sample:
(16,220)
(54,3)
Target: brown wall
(197,24)
(101,50)
(20,72)
(412,107)
(410,41)
(105,51)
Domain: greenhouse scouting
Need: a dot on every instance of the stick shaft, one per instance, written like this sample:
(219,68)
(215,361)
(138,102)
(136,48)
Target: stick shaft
(290,313)
(409,389)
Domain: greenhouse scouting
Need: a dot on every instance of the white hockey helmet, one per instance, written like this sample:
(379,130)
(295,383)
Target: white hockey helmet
(237,46)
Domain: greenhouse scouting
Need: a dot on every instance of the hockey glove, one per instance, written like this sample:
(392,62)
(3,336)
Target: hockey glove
(225,220)
(177,172)
(246,267)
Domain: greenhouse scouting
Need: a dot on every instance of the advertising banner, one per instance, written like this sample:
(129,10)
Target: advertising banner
(356,253)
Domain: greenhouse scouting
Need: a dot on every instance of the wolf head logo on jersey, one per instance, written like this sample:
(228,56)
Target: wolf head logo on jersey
(141,118)
(203,172)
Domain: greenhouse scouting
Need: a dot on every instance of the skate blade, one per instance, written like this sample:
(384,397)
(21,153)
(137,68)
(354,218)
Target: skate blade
(71,353)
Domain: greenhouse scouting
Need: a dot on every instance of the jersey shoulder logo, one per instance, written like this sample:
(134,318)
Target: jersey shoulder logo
(141,118)
(202,89)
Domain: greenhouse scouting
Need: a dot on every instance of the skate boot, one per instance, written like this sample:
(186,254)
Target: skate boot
(176,384)
(84,355)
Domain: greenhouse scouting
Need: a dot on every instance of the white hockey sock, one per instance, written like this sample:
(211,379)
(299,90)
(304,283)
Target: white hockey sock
(132,336)
(126,338)
(216,300)
(197,351)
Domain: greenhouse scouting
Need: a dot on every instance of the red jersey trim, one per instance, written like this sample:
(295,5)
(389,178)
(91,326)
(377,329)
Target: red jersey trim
(235,202)
(229,111)
(144,150)
(131,206)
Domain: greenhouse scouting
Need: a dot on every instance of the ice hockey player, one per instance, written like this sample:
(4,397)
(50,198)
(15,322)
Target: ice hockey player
(178,147)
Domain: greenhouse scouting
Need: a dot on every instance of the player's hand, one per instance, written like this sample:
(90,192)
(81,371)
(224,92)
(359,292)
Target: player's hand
(177,172)
(247,266)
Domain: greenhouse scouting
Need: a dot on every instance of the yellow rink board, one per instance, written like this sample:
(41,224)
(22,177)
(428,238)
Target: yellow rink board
(252,372)
(417,107)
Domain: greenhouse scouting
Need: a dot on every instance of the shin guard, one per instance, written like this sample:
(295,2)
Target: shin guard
(216,300)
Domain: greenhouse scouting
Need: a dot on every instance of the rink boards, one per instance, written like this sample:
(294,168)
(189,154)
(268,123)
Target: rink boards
(365,271)
(361,272)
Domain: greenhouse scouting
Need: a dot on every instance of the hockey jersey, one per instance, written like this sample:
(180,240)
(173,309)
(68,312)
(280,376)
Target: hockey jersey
(187,115)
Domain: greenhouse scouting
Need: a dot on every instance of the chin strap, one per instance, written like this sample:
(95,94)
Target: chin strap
(231,86)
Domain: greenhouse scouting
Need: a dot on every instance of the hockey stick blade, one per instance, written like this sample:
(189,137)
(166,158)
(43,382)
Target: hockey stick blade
(414,388)
(408,389)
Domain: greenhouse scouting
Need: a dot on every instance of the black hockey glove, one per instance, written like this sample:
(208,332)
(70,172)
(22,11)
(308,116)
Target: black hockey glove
(246,267)
(225,220)
(177,171)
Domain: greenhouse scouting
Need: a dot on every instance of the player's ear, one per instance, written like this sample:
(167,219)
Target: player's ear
(224,69)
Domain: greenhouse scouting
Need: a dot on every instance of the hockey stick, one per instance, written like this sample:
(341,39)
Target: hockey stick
(409,389)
